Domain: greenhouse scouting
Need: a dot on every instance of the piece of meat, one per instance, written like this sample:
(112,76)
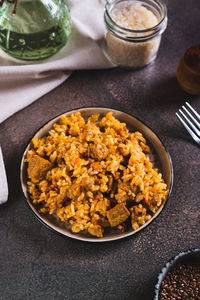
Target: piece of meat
(118,214)
(98,151)
(38,167)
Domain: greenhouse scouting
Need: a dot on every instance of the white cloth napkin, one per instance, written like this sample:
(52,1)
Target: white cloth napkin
(21,84)
(3,181)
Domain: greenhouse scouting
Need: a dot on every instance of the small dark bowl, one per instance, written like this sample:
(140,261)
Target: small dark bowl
(191,255)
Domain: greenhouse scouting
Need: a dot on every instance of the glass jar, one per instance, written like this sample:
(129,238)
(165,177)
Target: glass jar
(134,29)
(34,29)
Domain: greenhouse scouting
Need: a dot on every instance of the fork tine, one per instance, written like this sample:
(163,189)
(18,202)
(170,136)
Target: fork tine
(190,123)
(194,111)
(191,116)
(193,135)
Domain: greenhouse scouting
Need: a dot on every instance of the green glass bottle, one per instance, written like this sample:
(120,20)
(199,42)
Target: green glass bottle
(36,29)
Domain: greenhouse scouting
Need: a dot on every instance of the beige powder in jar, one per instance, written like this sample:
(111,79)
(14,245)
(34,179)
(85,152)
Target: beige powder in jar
(132,54)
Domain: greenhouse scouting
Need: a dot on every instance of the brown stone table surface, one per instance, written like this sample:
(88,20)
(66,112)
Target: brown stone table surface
(36,263)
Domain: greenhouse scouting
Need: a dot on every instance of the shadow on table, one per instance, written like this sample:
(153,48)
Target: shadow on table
(168,92)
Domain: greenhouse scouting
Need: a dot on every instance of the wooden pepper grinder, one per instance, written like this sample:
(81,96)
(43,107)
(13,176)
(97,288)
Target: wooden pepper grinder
(188,71)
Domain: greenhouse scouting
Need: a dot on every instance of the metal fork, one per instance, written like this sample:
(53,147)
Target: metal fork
(193,122)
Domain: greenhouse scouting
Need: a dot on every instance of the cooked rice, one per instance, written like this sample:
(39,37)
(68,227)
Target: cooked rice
(96,165)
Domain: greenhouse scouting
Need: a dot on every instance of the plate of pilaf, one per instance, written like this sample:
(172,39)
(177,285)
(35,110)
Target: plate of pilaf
(96,174)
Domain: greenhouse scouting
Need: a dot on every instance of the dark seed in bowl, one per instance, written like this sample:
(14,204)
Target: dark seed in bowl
(182,282)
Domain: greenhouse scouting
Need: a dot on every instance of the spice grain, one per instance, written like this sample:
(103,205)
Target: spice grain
(183,283)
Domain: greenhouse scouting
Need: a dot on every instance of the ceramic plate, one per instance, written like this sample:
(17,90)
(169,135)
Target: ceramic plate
(159,156)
